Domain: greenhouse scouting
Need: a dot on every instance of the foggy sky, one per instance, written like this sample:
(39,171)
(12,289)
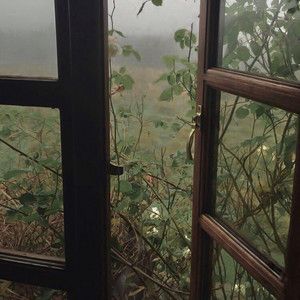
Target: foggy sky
(162,20)
(26,14)
(34,14)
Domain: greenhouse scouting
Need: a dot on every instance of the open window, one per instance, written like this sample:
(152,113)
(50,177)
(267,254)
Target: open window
(247,152)
(246,173)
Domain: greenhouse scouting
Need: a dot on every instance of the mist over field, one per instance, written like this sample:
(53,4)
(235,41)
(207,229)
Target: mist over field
(27,33)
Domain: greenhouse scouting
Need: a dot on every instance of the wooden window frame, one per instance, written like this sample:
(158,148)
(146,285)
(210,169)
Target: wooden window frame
(206,229)
(80,93)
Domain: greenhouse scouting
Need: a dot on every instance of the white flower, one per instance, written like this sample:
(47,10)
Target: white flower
(262,149)
(155,213)
(240,288)
(152,231)
(186,252)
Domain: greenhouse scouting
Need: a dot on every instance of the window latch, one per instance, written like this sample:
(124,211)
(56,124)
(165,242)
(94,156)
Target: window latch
(190,142)
(115,169)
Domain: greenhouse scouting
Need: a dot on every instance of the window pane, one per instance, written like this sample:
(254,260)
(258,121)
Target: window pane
(261,37)
(28,38)
(31,205)
(153,78)
(17,291)
(256,159)
(232,281)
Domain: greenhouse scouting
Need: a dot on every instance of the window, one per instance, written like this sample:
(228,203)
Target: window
(54,150)
(245,239)
(247,166)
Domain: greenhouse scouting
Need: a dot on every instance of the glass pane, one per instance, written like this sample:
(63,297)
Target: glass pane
(31,205)
(262,37)
(232,281)
(28,38)
(17,291)
(153,78)
(256,159)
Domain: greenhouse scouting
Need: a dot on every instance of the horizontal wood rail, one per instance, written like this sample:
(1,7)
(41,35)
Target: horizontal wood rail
(30,92)
(248,260)
(33,269)
(281,94)
(25,257)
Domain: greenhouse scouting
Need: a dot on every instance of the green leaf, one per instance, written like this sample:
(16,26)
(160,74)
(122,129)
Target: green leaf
(177,89)
(242,112)
(160,123)
(157,2)
(179,34)
(171,79)
(128,50)
(127,81)
(258,140)
(122,70)
(125,186)
(187,79)
(26,209)
(27,199)
(176,127)
(136,192)
(243,53)
(166,95)
(120,33)
(33,217)
(169,60)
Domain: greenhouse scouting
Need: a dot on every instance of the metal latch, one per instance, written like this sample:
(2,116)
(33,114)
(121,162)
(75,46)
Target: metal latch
(189,145)
(115,169)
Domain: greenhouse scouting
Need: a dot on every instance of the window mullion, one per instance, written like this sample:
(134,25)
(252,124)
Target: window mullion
(292,274)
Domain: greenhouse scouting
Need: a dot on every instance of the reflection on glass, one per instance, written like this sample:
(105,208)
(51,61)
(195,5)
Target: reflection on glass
(17,291)
(256,158)
(31,205)
(232,281)
(153,78)
(28,38)
(261,37)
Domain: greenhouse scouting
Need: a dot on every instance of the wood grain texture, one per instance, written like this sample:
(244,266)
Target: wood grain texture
(275,93)
(33,269)
(247,259)
(292,276)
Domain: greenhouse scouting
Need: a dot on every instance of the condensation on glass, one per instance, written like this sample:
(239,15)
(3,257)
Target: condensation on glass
(256,160)
(31,193)
(261,37)
(28,39)
(231,281)
(15,291)
(153,53)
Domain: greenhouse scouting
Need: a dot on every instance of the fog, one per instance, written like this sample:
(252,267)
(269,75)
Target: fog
(152,31)
(27,32)
(159,21)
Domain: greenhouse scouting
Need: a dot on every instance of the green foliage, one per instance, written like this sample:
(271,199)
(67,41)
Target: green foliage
(157,2)
(128,50)
(185,38)
(151,202)
(122,78)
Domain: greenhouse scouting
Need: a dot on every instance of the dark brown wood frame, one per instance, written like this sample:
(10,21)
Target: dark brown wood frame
(206,230)
(80,93)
